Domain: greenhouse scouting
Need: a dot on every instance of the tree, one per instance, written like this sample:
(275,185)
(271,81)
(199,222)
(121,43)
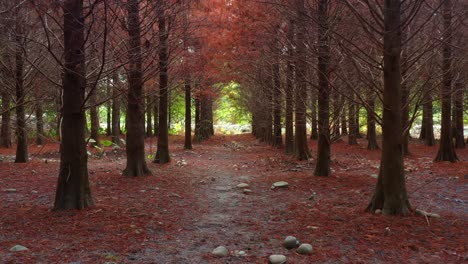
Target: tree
(73,191)
(136,163)
(446,149)
(188,115)
(390,194)
(322,167)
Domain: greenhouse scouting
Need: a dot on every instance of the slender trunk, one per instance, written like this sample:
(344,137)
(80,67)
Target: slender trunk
(428,123)
(116,110)
(314,123)
(336,116)
(162,152)
(93,113)
(108,111)
(301,148)
(188,115)
(371,131)
(73,191)
(21,134)
(277,105)
(156,115)
(446,149)
(344,125)
(390,194)
(353,130)
(458,108)
(197,119)
(289,137)
(39,123)
(322,167)
(5,131)
(135,149)
(149,110)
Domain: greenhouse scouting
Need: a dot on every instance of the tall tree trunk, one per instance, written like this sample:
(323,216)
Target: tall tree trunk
(116,98)
(205,126)
(108,110)
(343,119)
(21,134)
(73,190)
(149,119)
(314,120)
(301,150)
(446,149)
(277,105)
(5,131)
(197,136)
(458,108)
(162,152)
(188,115)
(39,122)
(135,149)
(94,116)
(371,131)
(322,167)
(353,126)
(336,116)
(428,124)
(156,114)
(390,194)
(289,122)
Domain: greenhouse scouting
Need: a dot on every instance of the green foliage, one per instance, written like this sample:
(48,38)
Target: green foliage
(106,143)
(230,107)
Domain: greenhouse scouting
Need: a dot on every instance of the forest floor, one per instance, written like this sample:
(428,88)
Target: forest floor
(191,206)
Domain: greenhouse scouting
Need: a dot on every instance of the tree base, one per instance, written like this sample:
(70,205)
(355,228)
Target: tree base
(162,156)
(136,170)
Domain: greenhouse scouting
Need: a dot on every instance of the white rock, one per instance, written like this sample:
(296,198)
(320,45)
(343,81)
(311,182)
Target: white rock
(378,211)
(242,185)
(290,242)
(240,253)
(375,176)
(304,249)
(220,251)
(280,184)
(18,248)
(277,259)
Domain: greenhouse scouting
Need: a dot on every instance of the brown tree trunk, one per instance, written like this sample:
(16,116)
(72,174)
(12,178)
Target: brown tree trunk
(149,119)
(446,149)
(371,131)
(289,91)
(73,190)
(322,167)
(353,126)
(156,114)
(277,105)
(390,194)
(21,134)
(428,124)
(335,135)
(116,110)
(135,149)
(204,131)
(197,137)
(314,120)
(188,115)
(458,108)
(162,152)
(94,116)
(5,131)
(39,122)
(344,125)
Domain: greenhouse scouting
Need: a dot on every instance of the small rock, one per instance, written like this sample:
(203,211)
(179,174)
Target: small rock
(290,242)
(280,184)
(10,190)
(277,259)
(18,248)
(34,192)
(378,211)
(375,176)
(220,251)
(242,185)
(247,191)
(304,249)
(240,253)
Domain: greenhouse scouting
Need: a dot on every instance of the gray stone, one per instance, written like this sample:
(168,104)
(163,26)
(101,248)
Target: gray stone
(277,259)
(280,184)
(375,176)
(247,191)
(220,251)
(18,248)
(378,211)
(290,242)
(240,253)
(304,249)
(242,185)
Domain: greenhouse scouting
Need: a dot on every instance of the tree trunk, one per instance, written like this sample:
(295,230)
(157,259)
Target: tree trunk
(39,123)
(353,130)
(116,109)
(446,149)
(21,134)
(162,152)
(371,131)
(289,122)
(73,190)
(390,194)
(197,137)
(149,110)
(205,126)
(108,111)
(277,105)
(93,113)
(188,115)
(301,148)
(156,114)
(344,125)
(322,167)
(428,124)
(135,149)
(314,123)
(5,131)
(336,116)
(458,108)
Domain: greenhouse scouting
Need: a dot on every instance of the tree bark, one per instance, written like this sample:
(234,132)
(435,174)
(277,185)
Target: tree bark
(458,108)
(277,105)
(116,109)
(39,122)
(289,122)
(446,149)
(353,126)
(371,131)
(390,194)
(314,121)
(73,191)
(162,152)
(135,149)
(344,125)
(94,116)
(21,134)
(322,167)
(188,115)
(5,131)
(427,127)
(301,150)
(149,111)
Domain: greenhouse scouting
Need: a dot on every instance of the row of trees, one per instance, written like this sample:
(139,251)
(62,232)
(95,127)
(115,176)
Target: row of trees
(393,58)
(73,57)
